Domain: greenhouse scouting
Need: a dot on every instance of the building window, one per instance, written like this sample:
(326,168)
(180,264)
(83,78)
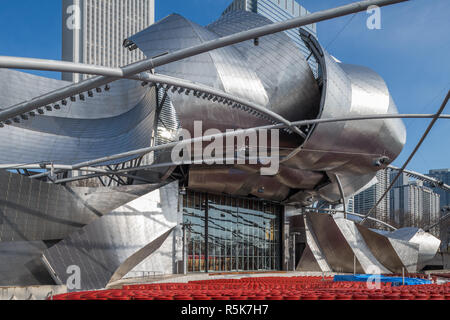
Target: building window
(231,234)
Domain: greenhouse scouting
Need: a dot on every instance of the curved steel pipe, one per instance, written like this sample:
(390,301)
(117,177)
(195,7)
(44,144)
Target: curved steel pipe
(439,184)
(411,156)
(144,151)
(152,63)
(63,66)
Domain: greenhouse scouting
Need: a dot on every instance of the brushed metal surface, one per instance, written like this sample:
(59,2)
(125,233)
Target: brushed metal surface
(359,246)
(308,262)
(118,242)
(273,74)
(427,243)
(20,264)
(382,249)
(314,245)
(32,210)
(350,148)
(281,66)
(333,243)
(223,69)
(119,120)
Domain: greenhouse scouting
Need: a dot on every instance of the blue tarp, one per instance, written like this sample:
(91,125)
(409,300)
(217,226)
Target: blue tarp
(396,281)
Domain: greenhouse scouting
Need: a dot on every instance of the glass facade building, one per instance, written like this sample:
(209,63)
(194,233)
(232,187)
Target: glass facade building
(231,234)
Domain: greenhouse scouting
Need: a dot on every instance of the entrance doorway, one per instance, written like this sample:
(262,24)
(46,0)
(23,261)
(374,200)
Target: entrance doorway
(227,234)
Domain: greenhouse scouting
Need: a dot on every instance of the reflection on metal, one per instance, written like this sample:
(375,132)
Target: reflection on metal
(230,234)
(182,86)
(32,210)
(341,190)
(427,244)
(344,241)
(112,122)
(85,166)
(139,234)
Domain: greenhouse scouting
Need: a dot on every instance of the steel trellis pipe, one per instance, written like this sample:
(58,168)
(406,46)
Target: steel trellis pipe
(144,151)
(427,131)
(152,63)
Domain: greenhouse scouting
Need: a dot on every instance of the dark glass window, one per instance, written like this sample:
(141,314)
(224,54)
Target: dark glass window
(230,234)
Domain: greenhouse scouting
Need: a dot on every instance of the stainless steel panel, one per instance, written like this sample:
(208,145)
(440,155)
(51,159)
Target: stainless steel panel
(359,246)
(281,66)
(337,252)
(20,265)
(382,249)
(427,244)
(118,242)
(308,262)
(80,131)
(31,210)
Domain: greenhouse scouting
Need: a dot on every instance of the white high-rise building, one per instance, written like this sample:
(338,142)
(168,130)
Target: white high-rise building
(93,31)
(365,200)
(414,204)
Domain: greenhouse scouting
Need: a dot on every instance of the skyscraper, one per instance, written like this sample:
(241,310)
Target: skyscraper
(365,200)
(93,31)
(444,176)
(444,227)
(416,205)
(280,10)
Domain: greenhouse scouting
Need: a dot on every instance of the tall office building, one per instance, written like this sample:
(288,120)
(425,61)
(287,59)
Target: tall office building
(93,31)
(365,200)
(351,205)
(416,205)
(403,180)
(444,176)
(280,10)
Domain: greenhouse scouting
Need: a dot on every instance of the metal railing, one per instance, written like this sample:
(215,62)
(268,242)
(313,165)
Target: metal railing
(144,274)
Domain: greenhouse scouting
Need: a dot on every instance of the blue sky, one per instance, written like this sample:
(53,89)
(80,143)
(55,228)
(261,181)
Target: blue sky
(411,52)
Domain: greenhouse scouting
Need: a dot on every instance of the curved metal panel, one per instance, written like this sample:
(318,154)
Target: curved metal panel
(124,95)
(292,90)
(359,246)
(20,265)
(68,140)
(333,243)
(428,245)
(223,69)
(112,245)
(273,74)
(382,249)
(32,210)
(350,148)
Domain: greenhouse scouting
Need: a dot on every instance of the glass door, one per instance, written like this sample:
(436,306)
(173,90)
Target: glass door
(231,234)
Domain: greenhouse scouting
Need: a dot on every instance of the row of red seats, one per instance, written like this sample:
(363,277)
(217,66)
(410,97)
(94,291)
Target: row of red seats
(441,275)
(266,289)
